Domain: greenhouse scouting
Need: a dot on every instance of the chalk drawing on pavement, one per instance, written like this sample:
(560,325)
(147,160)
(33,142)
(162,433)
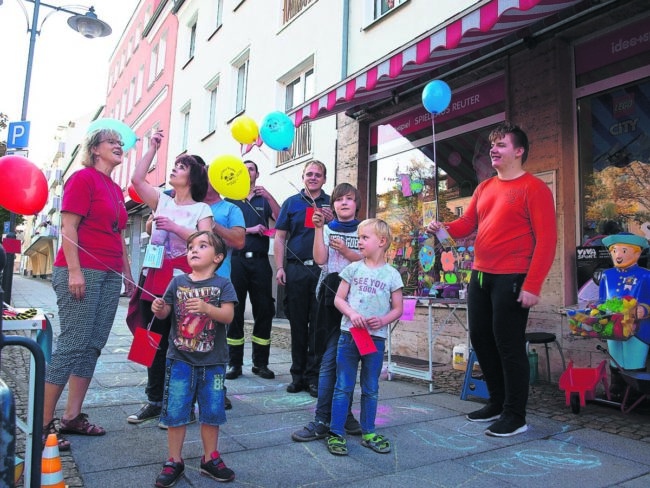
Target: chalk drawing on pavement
(556,456)
(456,442)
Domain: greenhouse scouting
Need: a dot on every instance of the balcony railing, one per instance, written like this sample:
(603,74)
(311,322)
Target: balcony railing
(300,147)
(294,7)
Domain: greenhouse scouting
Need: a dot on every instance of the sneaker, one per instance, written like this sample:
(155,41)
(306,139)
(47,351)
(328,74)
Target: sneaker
(192,420)
(507,427)
(227,404)
(263,372)
(352,426)
(148,411)
(170,474)
(313,390)
(216,468)
(488,413)
(311,432)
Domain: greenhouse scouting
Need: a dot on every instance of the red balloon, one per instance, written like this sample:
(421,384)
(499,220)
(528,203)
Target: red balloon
(134,195)
(24,186)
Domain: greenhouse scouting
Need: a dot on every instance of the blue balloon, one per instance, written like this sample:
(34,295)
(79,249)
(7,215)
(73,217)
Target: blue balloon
(436,96)
(277,131)
(126,133)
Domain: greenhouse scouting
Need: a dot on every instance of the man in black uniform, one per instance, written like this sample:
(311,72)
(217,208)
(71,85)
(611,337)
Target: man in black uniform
(251,274)
(295,240)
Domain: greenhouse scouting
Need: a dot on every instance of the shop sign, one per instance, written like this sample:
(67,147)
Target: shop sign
(615,46)
(462,102)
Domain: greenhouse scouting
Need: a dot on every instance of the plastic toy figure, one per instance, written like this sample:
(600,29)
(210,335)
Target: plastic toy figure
(627,280)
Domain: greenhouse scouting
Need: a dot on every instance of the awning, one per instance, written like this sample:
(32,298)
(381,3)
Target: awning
(42,245)
(442,45)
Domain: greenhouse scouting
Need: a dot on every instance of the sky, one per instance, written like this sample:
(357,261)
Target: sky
(69,72)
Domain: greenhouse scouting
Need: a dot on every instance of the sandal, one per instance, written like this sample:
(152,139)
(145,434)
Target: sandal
(64,444)
(80,425)
(337,445)
(377,443)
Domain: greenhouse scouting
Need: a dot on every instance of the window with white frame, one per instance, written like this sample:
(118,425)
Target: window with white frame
(212,89)
(147,15)
(117,109)
(219,12)
(145,145)
(131,98)
(153,61)
(241,68)
(299,89)
(124,102)
(185,124)
(129,50)
(139,84)
(137,35)
(375,9)
(162,48)
(192,41)
(384,6)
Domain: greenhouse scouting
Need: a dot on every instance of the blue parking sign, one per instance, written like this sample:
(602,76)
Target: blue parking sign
(18,135)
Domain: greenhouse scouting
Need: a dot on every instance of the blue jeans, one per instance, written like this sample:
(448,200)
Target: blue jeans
(347,361)
(184,383)
(327,380)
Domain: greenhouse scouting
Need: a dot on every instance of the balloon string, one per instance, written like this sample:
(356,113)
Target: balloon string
(435,169)
(104,264)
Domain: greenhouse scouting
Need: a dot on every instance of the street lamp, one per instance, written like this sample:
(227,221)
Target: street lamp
(89,26)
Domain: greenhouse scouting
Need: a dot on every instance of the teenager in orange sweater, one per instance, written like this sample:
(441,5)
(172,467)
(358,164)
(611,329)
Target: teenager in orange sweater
(514,249)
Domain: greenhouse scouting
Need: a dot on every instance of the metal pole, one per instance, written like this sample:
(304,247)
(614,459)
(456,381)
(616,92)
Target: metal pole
(33,32)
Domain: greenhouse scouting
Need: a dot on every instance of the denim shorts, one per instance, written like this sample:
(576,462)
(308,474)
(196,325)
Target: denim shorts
(184,384)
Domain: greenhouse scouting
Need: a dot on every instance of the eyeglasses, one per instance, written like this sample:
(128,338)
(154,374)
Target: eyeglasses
(113,142)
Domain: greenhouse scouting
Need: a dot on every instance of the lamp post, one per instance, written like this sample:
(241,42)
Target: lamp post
(89,26)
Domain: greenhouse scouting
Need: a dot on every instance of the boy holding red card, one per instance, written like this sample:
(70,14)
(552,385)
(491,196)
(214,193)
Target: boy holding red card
(370,298)
(202,304)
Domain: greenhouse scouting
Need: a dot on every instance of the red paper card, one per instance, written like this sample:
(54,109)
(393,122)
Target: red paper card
(13,245)
(363,340)
(270,232)
(308,216)
(143,349)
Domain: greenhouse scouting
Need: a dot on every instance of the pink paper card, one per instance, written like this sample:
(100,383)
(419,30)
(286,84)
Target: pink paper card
(408,312)
(144,346)
(308,216)
(363,341)
(269,232)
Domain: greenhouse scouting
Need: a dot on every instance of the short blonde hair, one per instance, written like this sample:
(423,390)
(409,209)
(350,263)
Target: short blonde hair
(94,139)
(315,162)
(379,227)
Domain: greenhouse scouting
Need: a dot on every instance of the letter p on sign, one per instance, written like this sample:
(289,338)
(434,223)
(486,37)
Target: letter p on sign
(18,135)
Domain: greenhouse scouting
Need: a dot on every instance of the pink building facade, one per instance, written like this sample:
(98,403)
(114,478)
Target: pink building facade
(139,93)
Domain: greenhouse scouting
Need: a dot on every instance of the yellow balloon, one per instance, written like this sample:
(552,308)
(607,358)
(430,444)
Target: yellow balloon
(244,130)
(229,177)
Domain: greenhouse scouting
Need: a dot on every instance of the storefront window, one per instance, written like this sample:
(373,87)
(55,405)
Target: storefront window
(613,106)
(614,132)
(402,176)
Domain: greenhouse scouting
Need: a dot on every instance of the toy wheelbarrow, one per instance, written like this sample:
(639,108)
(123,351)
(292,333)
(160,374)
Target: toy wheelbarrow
(636,380)
(579,384)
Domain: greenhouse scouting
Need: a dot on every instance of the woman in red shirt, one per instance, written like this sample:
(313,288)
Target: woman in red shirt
(87,279)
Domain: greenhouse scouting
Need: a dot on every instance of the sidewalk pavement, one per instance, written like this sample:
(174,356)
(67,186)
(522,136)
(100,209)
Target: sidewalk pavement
(433,443)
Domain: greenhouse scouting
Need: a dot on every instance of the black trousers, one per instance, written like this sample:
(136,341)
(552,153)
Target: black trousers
(301,301)
(497,329)
(252,277)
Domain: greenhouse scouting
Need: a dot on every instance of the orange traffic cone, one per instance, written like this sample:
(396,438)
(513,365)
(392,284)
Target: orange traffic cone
(51,472)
